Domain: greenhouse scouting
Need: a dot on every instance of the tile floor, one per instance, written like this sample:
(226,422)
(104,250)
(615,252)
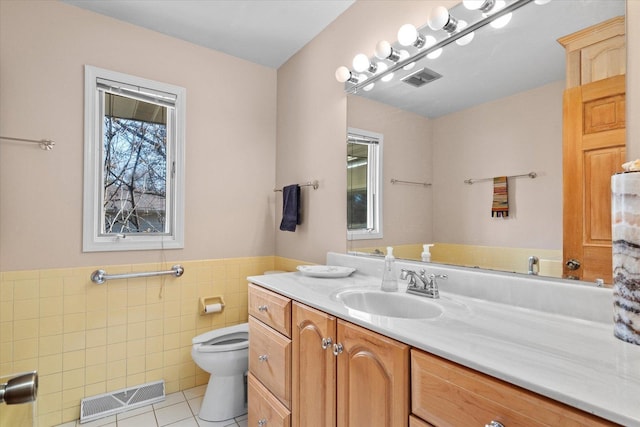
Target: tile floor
(177,410)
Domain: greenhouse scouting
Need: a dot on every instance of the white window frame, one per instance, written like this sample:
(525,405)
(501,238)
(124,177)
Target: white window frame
(93,239)
(374,188)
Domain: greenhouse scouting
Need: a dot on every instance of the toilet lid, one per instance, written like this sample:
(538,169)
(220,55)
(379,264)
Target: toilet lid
(229,342)
(225,339)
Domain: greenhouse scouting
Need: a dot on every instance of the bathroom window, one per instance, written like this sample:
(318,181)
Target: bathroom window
(133,164)
(364,184)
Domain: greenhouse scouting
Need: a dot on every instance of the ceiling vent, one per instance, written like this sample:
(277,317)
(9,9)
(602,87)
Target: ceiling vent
(421,77)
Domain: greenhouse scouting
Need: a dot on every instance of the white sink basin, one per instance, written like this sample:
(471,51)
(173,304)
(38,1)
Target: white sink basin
(389,304)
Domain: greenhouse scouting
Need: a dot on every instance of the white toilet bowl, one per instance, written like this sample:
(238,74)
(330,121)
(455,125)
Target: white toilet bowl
(224,353)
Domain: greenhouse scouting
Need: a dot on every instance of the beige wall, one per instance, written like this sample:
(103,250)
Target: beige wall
(230,136)
(511,136)
(407,212)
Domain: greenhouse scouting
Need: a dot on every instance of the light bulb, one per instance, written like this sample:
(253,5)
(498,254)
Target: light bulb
(343,74)
(472,4)
(368,87)
(407,35)
(430,41)
(382,67)
(439,18)
(361,62)
(463,41)
(383,49)
(482,5)
(409,66)
(502,21)
(541,2)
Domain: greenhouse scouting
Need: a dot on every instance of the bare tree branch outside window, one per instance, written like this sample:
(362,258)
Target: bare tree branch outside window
(134,171)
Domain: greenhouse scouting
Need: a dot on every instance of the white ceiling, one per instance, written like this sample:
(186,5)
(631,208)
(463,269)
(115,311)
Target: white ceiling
(266,32)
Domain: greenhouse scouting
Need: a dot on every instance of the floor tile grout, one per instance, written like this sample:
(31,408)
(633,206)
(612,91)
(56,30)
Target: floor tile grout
(115,422)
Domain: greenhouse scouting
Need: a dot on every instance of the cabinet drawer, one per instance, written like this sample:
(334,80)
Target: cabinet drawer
(270,359)
(264,409)
(271,308)
(447,394)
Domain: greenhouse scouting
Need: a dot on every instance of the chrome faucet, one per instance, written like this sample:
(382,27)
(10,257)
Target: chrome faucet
(422,283)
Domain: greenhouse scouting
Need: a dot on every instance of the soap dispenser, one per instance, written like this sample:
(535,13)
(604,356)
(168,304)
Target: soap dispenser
(389,276)
(426,255)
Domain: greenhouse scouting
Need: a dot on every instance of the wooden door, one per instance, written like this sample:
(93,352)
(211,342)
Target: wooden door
(373,379)
(593,150)
(314,368)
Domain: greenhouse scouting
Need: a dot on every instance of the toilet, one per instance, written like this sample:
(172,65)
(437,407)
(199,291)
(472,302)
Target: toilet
(224,353)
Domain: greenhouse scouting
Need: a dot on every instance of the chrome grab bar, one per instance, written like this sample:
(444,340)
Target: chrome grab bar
(101,276)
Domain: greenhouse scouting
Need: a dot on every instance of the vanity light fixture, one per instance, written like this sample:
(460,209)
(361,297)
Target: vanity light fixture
(408,35)
(496,13)
(343,75)
(441,19)
(504,19)
(361,64)
(463,41)
(385,51)
(430,41)
(483,6)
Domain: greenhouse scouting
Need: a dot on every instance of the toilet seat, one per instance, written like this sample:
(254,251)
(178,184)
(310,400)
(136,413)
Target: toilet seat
(225,339)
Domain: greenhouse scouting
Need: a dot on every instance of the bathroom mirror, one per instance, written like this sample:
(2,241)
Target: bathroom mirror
(496,111)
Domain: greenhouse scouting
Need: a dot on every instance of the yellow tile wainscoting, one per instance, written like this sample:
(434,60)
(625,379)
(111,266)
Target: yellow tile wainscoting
(86,339)
(489,257)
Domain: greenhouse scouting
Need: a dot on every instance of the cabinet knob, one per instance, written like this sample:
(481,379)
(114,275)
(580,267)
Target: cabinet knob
(262,308)
(326,343)
(263,358)
(493,423)
(337,349)
(262,422)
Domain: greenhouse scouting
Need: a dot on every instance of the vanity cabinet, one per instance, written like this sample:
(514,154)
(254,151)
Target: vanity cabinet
(357,377)
(321,371)
(327,372)
(269,379)
(444,393)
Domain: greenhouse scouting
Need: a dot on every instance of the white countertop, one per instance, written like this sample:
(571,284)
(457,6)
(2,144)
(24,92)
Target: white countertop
(575,361)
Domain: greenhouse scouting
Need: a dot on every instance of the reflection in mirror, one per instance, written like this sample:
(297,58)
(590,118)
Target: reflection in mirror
(496,111)
(364,198)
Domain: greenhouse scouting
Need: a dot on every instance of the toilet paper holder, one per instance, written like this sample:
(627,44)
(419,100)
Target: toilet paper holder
(205,301)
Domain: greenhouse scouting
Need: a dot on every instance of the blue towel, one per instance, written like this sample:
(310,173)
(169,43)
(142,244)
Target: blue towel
(290,207)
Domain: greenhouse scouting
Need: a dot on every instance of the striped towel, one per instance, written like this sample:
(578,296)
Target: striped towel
(500,207)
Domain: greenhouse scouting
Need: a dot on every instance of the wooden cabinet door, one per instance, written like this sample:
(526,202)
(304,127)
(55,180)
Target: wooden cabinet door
(373,379)
(593,150)
(314,368)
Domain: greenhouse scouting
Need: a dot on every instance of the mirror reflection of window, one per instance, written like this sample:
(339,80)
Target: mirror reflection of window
(134,163)
(364,188)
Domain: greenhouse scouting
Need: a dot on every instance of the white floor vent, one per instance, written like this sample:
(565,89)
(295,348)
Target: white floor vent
(103,405)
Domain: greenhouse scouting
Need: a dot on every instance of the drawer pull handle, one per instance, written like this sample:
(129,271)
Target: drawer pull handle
(262,422)
(262,308)
(326,343)
(494,424)
(263,358)
(337,349)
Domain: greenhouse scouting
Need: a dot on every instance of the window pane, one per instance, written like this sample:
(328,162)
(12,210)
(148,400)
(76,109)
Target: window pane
(357,179)
(134,166)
